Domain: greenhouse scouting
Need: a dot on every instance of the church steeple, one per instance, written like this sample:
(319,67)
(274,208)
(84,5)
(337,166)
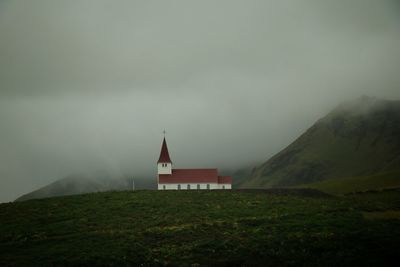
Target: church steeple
(164,163)
(164,154)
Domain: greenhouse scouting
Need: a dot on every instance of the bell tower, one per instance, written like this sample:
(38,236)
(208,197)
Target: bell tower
(164,163)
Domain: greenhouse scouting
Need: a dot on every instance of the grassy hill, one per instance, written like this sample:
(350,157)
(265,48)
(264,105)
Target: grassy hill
(202,228)
(80,184)
(357,184)
(358,138)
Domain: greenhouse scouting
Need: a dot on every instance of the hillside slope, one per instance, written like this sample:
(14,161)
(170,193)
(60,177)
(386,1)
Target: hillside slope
(79,184)
(346,185)
(358,138)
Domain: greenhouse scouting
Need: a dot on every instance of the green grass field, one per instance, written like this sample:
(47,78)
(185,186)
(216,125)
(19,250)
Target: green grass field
(340,186)
(224,228)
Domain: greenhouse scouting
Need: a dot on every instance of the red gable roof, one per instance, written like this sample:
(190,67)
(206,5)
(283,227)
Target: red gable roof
(224,179)
(190,176)
(164,155)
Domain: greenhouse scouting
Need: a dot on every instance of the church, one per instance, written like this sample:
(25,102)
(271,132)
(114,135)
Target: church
(187,179)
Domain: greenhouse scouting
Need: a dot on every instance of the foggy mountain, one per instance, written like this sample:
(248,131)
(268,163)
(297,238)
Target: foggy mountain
(80,184)
(358,138)
(90,85)
(89,89)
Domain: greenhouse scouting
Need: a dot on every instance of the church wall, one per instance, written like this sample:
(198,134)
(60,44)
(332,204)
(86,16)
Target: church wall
(224,186)
(213,186)
(164,169)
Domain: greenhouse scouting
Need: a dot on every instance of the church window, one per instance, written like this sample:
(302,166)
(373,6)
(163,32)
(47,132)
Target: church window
(163,187)
(179,187)
(198,186)
(208,186)
(223,187)
(188,186)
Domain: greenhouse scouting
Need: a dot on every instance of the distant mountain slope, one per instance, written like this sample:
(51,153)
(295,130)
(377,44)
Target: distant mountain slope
(240,176)
(345,185)
(79,184)
(358,138)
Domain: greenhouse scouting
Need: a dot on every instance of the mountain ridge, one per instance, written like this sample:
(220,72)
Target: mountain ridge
(357,138)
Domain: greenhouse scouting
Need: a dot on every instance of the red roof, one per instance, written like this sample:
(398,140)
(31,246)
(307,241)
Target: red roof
(224,179)
(190,176)
(194,176)
(164,155)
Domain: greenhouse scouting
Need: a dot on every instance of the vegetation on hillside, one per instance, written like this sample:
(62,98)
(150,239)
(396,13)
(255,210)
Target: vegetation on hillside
(359,138)
(348,185)
(80,184)
(225,228)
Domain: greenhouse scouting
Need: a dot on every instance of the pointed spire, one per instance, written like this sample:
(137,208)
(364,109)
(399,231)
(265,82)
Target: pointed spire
(164,155)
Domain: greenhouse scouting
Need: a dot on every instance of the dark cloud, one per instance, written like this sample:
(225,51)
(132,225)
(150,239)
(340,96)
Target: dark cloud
(88,85)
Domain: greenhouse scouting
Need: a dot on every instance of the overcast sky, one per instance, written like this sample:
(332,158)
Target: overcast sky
(91,85)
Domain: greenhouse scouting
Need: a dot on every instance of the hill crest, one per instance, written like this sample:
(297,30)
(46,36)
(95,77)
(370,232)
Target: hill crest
(357,138)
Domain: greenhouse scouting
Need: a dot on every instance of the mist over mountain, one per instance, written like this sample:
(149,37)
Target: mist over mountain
(80,184)
(358,138)
(91,85)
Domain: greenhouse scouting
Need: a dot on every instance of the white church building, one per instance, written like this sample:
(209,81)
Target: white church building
(187,179)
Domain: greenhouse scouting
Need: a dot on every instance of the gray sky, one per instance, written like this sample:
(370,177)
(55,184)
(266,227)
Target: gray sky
(90,85)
